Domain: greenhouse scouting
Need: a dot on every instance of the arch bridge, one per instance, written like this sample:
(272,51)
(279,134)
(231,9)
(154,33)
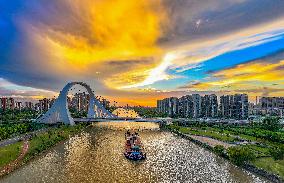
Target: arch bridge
(59,111)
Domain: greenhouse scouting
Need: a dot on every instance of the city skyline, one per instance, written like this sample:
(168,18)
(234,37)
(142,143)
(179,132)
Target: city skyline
(165,48)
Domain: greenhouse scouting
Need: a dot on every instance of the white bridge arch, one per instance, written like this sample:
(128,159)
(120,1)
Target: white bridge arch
(59,111)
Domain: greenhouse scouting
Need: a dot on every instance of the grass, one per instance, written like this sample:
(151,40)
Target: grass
(229,135)
(48,139)
(10,153)
(259,150)
(271,165)
(208,133)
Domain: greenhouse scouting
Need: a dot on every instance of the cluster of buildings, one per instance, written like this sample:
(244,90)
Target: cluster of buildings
(227,106)
(207,106)
(273,106)
(9,103)
(79,102)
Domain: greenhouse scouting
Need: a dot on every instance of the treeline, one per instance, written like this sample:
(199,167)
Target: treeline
(148,112)
(15,115)
(260,133)
(77,114)
(9,130)
(269,129)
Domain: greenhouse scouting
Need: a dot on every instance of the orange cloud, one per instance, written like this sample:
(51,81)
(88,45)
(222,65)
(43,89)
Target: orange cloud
(116,30)
(256,77)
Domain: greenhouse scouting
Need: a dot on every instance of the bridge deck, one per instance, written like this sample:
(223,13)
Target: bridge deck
(79,120)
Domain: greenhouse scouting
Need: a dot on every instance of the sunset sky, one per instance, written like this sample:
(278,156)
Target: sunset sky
(139,51)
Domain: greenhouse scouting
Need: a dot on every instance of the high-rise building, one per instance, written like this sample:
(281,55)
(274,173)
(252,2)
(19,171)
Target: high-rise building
(185,108)
(3,103)
(169,106)
(80,101)
(44,104)
(11,103)
(244,106)
(28,105)
(105,103)
(272,102)
(209,106)
(196,100)
(214,105)
(225,106)
(196,106)
(19,105)
(159,105)
(234,106)
(173,106)
(271,106)
(164,106)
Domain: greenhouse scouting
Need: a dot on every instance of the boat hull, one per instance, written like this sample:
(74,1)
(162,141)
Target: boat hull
(135,157)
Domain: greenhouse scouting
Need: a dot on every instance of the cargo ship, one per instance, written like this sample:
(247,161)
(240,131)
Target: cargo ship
(133,147)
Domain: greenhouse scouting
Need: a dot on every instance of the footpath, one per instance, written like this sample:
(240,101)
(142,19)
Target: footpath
(14,164)
(21,137)
(210,141)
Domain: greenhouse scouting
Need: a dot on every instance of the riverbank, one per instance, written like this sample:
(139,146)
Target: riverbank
(37,145)
(15,163)
(231,152)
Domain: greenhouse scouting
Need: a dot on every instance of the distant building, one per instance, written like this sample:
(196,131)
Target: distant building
(80,101)
(7,103)
(105,103)
(273,106)
(29,105)
(173,106)
(164,106)
(196,100)
(234,106)
(272,102)
(44,104)
(225,106)
(4,103)
(19,105)
(185,106)
(196,106)
(209,106)
(11,103)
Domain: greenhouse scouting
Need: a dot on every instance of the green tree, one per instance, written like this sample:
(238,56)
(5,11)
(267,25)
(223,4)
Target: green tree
(277,153)
(220,150)
(240,155)
(271,123)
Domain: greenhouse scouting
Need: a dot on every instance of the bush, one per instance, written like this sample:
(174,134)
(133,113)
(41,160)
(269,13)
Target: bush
(239,155)
(277,153)
(219,149)
(271,123)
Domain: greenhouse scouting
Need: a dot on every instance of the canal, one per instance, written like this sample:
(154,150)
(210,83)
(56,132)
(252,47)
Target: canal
(96,155)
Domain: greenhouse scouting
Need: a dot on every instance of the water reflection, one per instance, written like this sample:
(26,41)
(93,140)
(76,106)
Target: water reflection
(96,156)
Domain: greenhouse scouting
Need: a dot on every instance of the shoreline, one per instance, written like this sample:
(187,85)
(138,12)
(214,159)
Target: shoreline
(248,167)
(24,162)
(11,166)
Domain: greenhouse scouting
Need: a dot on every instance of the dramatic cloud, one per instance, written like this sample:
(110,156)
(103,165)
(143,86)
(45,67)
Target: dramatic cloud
(261,77)
(189,55)
(122,48)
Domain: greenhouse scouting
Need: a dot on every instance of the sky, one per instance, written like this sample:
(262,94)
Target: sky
(135,52)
